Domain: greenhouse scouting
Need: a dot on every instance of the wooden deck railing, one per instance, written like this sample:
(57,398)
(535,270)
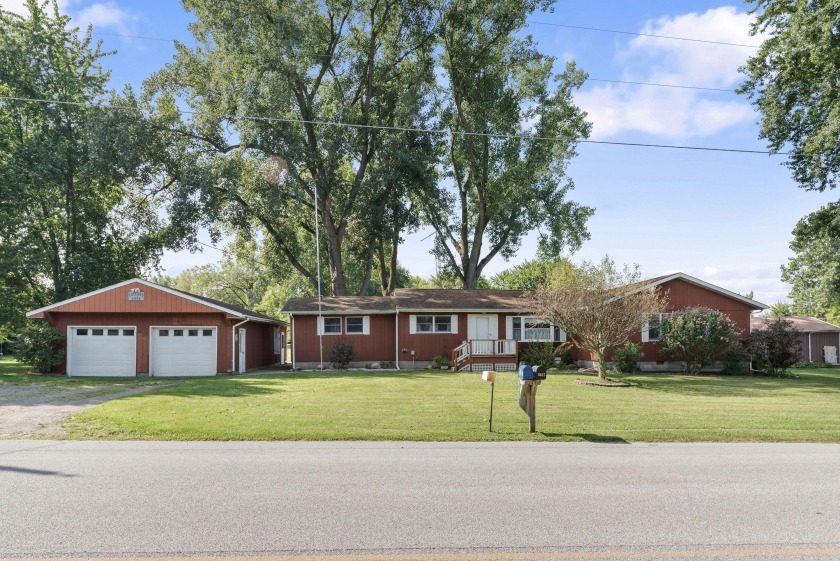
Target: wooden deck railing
(483,350)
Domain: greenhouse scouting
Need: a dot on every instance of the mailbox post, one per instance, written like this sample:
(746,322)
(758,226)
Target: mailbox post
(529,379)
(490,376)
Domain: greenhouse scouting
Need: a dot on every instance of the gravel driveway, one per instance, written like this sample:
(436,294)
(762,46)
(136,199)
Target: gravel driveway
(28,410)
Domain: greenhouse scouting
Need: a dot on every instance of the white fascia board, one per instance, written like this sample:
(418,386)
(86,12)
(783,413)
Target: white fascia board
(466,310)
(341,313)
(703,284)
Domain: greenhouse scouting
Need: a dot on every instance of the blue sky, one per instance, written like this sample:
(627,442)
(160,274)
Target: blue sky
(723,217)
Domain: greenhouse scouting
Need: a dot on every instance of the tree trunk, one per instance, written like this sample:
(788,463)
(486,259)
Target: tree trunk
(602,364)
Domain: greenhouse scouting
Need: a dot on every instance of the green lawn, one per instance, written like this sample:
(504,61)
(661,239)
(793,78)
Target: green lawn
(446,406)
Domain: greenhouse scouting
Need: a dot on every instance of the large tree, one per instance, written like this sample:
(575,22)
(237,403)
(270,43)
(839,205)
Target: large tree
(266,81)
(599,305)
(69,171)
(512,130)
(814,270)
(793,80)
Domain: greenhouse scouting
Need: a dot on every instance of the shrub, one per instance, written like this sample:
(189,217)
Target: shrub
(440,361)
(697,337)
(567,358)
(543,354)
(775,348)
(341,353)
(736,362)
(626,359)
(812,365)
(38,346)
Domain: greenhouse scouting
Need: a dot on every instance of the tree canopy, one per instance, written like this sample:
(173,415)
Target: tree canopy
(71,218)
(793,80)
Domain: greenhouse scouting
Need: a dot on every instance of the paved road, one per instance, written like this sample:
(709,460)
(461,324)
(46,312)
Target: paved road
(424,501)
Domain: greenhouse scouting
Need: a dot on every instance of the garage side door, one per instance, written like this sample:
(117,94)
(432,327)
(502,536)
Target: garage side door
(188,351)
(102,351)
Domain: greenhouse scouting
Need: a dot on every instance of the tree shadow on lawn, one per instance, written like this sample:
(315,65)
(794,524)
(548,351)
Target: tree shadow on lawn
(269,384)
(736,386)
(588,437)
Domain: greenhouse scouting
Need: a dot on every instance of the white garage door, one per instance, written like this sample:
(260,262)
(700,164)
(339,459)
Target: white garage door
(183,351)
(102,351)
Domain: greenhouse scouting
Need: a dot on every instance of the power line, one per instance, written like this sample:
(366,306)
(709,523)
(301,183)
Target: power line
(499,136)
(602,30)
(170,40)
(659,85)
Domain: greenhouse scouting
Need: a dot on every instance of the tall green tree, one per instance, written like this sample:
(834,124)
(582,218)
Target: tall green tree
(68,170)
(298,66)
(793,80)
(513,128)
(527,275)
(814,270)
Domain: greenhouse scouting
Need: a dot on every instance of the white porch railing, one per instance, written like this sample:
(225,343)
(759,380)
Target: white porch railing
(483,348)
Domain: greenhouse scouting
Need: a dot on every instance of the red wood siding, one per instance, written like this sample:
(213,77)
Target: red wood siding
(154,301)
(377,347)
(257,355)
(683,295)
(429,345)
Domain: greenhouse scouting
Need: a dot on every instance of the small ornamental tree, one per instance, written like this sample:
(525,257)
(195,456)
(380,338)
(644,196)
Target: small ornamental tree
(598,305)
(775,348)
(38,346)
(697,337)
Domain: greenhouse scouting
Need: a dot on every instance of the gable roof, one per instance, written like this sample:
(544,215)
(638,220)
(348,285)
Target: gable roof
(656,281)
(801,323)
(468,300)
(232,309)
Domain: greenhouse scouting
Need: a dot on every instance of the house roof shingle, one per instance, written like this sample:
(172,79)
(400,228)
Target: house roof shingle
(801,323)
(406,299)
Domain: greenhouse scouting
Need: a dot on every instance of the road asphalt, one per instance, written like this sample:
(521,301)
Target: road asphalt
(394,501)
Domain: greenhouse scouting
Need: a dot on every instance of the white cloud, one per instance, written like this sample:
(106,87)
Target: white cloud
(673,112)
(709,271)
(106,15)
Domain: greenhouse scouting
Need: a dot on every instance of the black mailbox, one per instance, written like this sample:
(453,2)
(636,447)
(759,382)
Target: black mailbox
(539,372)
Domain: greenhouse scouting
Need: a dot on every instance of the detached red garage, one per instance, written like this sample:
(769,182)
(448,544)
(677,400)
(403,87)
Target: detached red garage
(137,327)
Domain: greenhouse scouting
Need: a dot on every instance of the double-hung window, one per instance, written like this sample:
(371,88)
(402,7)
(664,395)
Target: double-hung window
(331,326)
(652,329)
(355,325)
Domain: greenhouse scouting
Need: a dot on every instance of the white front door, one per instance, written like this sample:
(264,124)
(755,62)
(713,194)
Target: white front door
(242,348)
(481,330)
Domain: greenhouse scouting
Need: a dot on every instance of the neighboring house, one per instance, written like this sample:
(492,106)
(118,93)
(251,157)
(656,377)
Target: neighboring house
(137,328)
(820,339)
(476,329)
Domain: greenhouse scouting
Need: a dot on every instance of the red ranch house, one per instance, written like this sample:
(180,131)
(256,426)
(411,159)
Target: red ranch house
(138,328)
(475,329)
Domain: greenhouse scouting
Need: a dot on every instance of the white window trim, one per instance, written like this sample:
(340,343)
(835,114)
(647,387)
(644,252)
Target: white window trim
(321,330)
(453,324)
(646,327)
(365,325)
(522,339)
